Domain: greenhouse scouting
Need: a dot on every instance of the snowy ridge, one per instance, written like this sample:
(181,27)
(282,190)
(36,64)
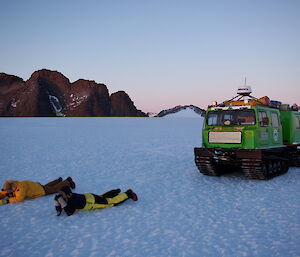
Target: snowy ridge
(185,111)
(180,212)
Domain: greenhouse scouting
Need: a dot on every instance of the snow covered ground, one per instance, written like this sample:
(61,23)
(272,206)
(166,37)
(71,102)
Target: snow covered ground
(180,212)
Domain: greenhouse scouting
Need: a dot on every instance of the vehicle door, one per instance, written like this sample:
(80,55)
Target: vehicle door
(264,133)
(276,129)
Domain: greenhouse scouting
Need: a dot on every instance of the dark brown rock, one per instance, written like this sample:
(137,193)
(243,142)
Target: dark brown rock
(50,88)
(121,105)
(11,87)
(49,93)
(87,98)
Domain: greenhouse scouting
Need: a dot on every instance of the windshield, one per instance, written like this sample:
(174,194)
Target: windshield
(231,117)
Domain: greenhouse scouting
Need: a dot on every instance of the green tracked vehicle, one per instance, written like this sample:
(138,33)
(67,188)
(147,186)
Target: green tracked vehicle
(259,137)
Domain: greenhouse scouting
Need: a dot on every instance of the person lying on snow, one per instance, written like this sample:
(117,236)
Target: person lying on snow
(16,191)
(70,202)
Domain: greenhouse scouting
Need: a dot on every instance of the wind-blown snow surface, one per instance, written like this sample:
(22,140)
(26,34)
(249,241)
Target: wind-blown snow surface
(180,212)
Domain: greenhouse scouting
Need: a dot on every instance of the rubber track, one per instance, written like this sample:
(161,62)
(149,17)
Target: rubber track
(258,169)
(253,169)
(206,166)
(295,158)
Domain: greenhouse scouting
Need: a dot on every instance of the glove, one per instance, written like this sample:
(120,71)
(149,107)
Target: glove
(10,194)
(4,201)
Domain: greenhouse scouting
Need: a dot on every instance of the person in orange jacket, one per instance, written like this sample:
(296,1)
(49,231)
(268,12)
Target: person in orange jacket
(14,191)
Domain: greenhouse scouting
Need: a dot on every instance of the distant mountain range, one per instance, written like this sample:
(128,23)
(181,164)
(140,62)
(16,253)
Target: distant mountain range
(180,108)
(50,94)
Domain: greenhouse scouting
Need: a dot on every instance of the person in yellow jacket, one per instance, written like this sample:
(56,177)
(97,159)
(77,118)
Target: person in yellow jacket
(14,191)
(71,202)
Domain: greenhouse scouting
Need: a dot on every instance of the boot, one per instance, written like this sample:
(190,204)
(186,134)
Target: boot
(72,183)
(131,195)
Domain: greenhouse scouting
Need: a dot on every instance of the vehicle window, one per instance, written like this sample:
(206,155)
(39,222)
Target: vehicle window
(263,119)
(246,118)
(297,121)
(212,119)
(275,120)
(231,117)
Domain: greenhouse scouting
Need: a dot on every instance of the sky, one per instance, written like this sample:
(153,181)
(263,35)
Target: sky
(162,53)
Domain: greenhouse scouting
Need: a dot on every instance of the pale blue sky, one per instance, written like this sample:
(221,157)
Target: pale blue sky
(162,53)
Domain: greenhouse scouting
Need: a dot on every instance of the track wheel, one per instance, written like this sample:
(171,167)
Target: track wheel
(264,171)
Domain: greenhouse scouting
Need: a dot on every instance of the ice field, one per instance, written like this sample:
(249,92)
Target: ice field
(180,212)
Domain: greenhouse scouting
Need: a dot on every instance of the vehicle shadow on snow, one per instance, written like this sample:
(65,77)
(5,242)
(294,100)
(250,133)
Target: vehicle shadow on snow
(235,175)
(241,176)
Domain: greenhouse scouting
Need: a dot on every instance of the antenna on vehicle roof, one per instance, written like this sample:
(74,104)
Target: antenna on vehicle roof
(244,94)
(244,90)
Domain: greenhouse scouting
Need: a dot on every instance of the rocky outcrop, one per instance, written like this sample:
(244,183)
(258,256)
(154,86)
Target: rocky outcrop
(49,93)
(121,105)
(10,87)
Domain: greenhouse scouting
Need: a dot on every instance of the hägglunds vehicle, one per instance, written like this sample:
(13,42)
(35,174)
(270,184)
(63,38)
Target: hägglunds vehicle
(259,137)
